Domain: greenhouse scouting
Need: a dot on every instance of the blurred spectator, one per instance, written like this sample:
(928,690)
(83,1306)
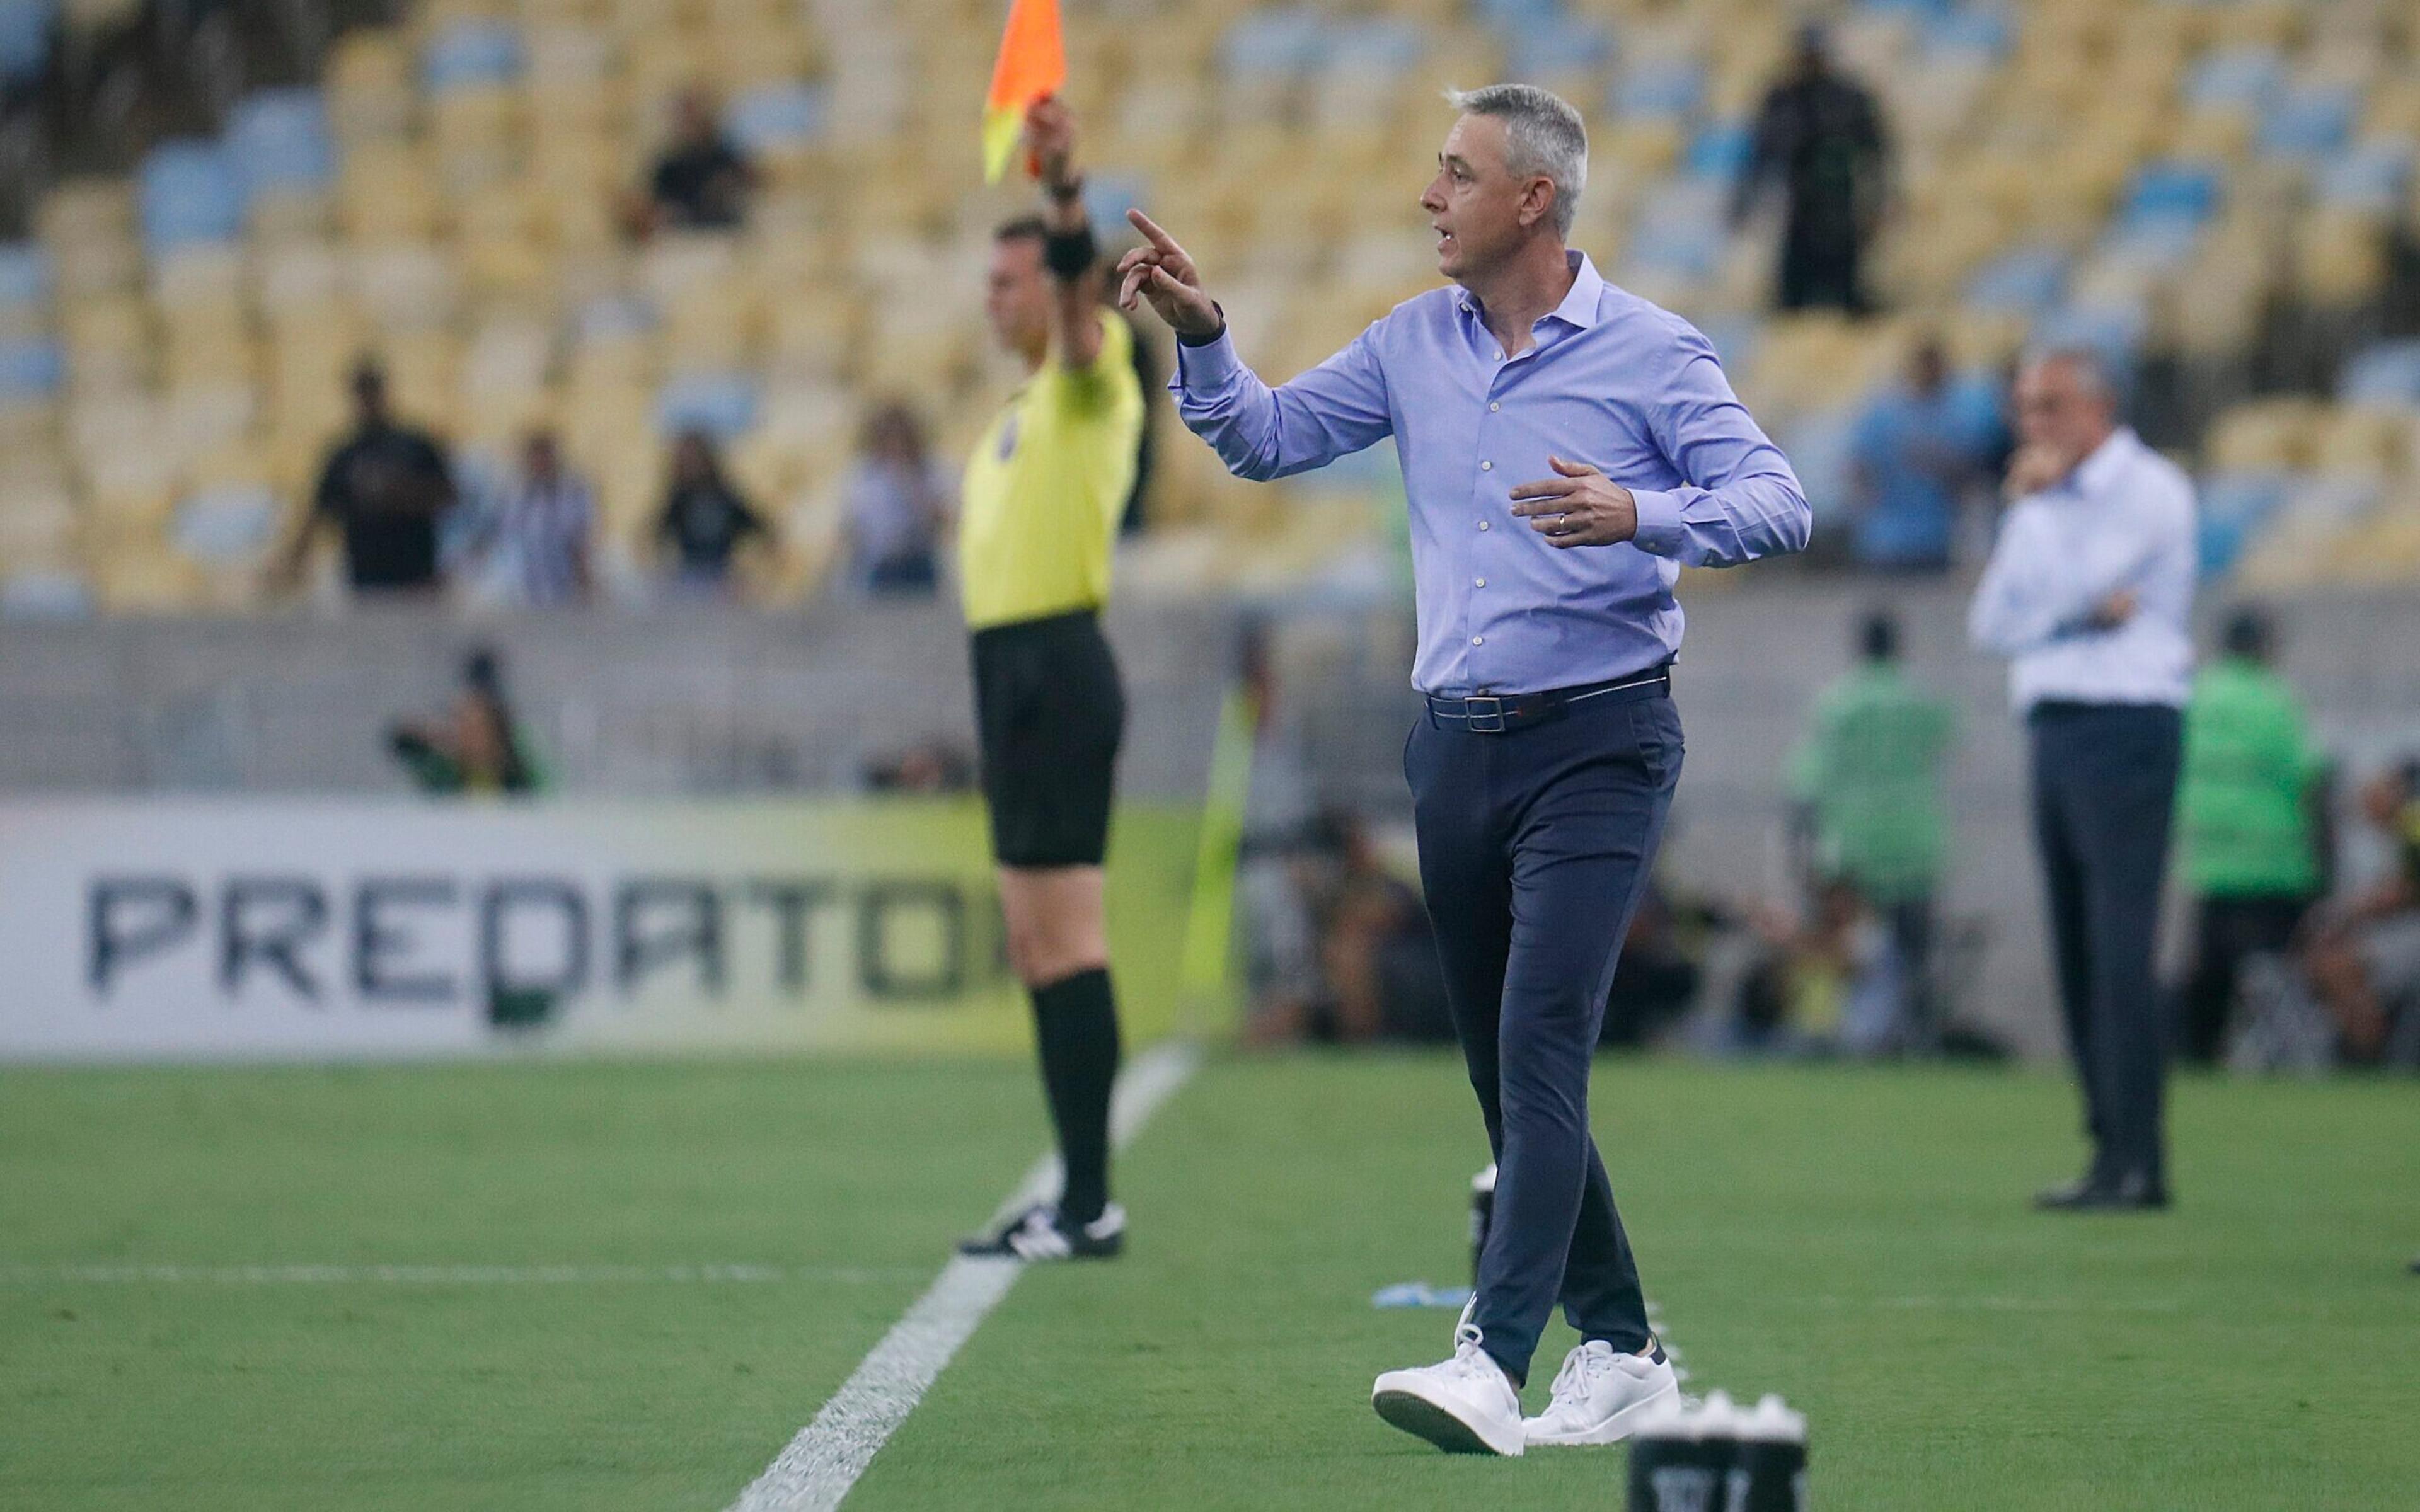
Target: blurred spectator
(702,181)
(1830,983)
(897,502)
(705,520)
(1866,781)
(385,487)
(477,746)
(2364,955)
(1370,972)
(1821,134)
(2250,808)
(933,765)
(1919,448)
(541,536)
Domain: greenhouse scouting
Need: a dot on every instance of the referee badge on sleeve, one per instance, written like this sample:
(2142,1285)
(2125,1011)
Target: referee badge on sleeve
(1008,437)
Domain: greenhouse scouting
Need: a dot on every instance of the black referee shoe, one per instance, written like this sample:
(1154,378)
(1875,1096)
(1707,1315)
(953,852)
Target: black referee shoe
(1039,1233)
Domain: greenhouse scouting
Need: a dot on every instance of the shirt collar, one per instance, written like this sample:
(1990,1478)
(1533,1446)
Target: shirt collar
(1580,306)
(2100,468)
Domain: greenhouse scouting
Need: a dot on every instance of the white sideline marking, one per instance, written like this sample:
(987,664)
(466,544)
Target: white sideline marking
(818,1467)
(429,1275)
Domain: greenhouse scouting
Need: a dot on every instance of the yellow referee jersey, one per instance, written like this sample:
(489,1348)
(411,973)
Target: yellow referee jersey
(1043,492)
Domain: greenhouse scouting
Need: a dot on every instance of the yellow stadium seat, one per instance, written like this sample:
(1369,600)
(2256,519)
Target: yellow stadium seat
(2266,435)
(2363,442)
(2340,257)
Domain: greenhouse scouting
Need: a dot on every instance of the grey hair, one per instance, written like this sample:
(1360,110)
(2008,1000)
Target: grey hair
(2092,364)
(1545,138)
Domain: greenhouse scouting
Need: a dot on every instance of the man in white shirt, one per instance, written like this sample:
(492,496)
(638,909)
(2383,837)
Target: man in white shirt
(2088,594)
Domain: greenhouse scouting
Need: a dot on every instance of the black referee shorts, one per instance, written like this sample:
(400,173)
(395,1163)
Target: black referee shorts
(1049,713)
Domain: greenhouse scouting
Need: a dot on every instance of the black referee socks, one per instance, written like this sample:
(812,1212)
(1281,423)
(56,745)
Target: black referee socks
(1075,1024)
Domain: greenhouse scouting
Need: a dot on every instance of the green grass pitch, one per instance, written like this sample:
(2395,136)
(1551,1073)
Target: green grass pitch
(1856,1240)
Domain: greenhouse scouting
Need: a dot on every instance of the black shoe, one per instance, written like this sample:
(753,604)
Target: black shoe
(2131,1192)
(2415,1266)
(1039,1233)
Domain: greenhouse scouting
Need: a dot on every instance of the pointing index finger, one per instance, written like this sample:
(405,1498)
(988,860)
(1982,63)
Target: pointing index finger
(1150,228)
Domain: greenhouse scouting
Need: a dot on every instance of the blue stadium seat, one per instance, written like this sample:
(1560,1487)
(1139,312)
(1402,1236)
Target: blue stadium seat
(279,139)
(229,525)
(2172,188)
(2371,175)
(1658,87)
(611,316)
(25,274)
(2309,122)
(1380,44)
(723,404)
(1980,32)
(775,116)
(2234,78)
(1822,447)
(2021,281)
(189,192)
(472,52)
(2232,508)
(1558,44)
(30,370)
(1287,44)
(40,594)
(1509,16)
(1720,150)
(2387,373)
(25,30)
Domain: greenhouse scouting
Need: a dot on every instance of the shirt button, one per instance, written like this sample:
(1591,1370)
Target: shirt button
(1493,406)
(1478,641)
(1486,467)
(1482,525)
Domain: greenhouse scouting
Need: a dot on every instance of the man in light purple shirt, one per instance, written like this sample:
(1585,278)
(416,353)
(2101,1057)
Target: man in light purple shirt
(1567,447)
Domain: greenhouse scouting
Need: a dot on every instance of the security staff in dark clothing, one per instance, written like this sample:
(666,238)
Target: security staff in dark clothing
(386,487)
(1821,134)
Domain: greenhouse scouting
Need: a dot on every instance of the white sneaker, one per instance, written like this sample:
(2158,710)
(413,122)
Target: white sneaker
(1465,1405)
(1601,1396)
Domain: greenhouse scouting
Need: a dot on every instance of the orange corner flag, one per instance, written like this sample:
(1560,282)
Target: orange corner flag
(1033,63)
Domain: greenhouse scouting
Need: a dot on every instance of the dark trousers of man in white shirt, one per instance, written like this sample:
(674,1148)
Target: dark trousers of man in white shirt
(1535,848)
(2105,784)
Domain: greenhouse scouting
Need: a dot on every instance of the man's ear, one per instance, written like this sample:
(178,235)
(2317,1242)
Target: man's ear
(1537,202)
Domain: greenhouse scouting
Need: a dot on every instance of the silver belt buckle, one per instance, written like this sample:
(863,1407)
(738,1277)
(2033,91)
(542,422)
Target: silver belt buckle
(1489,723)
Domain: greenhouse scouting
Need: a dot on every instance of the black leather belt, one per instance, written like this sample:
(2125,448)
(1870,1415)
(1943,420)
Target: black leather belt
(1488,715)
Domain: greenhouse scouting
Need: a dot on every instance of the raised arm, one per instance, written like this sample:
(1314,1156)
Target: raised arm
(1261,432)
(1075,306)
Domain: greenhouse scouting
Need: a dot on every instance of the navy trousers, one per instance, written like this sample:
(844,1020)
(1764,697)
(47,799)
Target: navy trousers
(2104,788)
(1535,846)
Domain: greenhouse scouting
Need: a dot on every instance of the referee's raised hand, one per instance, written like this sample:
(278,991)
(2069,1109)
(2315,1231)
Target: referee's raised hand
(1160,272)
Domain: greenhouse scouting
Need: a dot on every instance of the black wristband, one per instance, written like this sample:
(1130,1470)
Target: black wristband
(1070,253)
(1210,340)
(1065,192)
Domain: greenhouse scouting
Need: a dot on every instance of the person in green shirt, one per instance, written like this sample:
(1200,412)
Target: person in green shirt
(1866,780)
(2249,816)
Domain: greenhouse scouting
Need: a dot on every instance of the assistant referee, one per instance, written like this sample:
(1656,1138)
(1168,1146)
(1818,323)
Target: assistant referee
(1043,494)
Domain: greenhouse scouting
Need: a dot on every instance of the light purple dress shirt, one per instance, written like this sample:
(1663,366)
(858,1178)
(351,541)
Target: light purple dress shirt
(1612,381)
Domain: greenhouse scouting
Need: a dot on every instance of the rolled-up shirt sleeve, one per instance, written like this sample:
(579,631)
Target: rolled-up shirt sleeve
(1740,501)
(1337,409)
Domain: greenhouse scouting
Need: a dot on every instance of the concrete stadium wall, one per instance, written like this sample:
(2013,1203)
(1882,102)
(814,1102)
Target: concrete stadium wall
(707,703)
